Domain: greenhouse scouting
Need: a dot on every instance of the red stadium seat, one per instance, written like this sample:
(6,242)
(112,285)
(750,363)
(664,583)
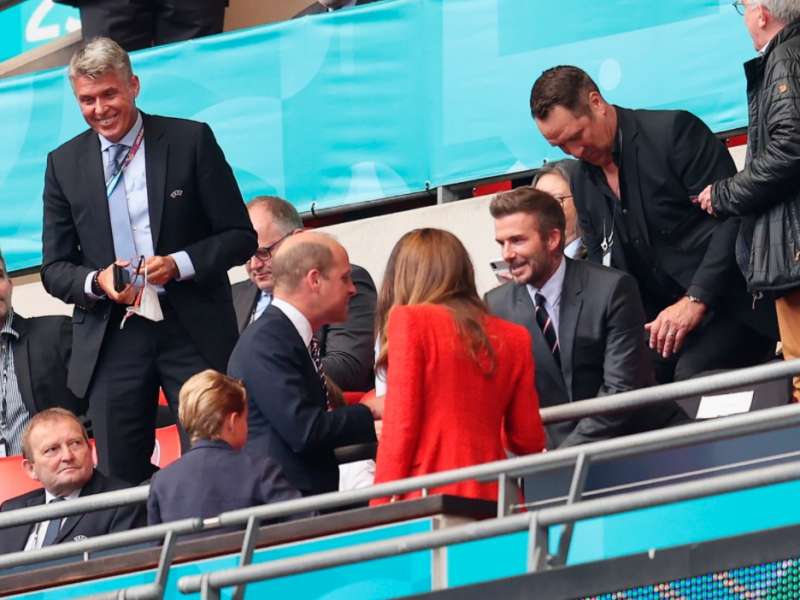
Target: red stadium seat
(13,478)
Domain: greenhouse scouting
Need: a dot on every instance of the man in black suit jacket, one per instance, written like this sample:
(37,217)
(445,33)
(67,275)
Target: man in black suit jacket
(323,6)
(34,354)
(57,454)
(137,24)
(590,314)
(290,418)
(172,200)
(637,173)
(348,348)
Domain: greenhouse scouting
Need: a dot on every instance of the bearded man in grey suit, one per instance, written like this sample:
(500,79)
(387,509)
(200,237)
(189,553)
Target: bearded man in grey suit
(586,321)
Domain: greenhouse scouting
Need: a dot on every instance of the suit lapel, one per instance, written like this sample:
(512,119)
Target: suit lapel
(245,304)
(72,521)
(629,166)
(569,313)
(22,364)
(524,314)
(156,152)
(92,158)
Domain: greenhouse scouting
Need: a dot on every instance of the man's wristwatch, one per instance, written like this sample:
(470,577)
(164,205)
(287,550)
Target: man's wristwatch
(694,299)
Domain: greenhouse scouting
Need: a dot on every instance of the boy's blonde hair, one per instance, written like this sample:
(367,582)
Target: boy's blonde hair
(205,399)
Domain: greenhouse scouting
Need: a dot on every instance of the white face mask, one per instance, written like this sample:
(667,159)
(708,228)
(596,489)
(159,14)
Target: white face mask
(147,304)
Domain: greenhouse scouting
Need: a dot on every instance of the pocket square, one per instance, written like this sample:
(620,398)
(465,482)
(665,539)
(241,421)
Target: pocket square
(176,194)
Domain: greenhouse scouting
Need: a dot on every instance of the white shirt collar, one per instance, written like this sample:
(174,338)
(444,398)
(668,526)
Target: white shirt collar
(572,248)
(48,496)
(298,319)
(551,290)
(127,139)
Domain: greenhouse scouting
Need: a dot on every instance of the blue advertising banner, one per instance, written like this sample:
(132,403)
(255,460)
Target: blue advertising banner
(390,97)
(33,23)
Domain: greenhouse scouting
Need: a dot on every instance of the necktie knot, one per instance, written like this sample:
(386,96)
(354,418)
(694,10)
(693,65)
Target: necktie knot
(539,300)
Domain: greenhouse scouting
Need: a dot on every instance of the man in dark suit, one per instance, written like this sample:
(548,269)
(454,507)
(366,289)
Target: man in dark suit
(323,6)
(348,348)
(586,321)
(137,24)
(290,418)
(638,172)
(57,454)
(34,355)
(170,198)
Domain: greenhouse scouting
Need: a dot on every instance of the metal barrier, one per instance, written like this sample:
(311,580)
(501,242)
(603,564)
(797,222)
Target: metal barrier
(579,457)
(537,523)
(503,471)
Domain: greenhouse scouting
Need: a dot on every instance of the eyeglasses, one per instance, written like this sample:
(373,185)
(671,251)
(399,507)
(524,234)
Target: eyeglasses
(266,252)
(740,7)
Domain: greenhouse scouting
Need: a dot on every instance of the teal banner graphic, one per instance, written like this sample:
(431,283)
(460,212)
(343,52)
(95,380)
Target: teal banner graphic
(30,24)
(388,98)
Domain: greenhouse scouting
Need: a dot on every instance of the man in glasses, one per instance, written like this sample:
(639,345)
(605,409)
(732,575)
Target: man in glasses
(347,347)
(766,194)
(553,178)
(637,172)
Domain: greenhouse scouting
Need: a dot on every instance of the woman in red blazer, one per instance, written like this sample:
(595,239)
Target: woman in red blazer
(460,382)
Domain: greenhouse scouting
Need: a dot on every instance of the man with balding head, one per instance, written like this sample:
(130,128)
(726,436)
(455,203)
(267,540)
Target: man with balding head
(290,418)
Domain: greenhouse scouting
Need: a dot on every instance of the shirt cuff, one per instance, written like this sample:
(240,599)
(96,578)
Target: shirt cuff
(87,287)
(184,263)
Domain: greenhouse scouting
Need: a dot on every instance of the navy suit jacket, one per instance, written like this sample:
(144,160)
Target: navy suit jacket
(287,419)
(90,524)
(194,205)
(213,478)
(348,348)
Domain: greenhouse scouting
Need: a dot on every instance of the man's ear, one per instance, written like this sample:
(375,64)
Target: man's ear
(313,278)
(554,240)
(27,465)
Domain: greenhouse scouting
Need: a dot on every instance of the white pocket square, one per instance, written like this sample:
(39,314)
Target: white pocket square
(176,194)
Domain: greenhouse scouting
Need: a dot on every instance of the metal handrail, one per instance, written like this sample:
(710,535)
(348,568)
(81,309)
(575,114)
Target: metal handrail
(683,435)
(536,523)
(671,391)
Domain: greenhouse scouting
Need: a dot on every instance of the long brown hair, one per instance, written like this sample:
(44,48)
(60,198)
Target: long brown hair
(431,266)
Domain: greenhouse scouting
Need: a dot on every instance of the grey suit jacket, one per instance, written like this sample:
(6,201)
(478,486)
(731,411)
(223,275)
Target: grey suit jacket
(602,343)
(348,348)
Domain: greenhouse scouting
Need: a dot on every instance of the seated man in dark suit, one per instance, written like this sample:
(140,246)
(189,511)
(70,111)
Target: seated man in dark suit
(347,348)
(291,419)
(586,321)
(214,476)
(323,6)
(34,354)
(57,454)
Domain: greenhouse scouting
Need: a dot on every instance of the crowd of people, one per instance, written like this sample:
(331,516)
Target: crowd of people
(647,259)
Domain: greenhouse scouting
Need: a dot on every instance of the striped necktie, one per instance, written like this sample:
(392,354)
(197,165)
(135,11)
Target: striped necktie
(547,327)
(316,355)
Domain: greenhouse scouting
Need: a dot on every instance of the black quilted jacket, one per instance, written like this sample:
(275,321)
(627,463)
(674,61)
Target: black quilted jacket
(767,192)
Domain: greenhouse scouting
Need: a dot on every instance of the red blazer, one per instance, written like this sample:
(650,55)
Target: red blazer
(442,412)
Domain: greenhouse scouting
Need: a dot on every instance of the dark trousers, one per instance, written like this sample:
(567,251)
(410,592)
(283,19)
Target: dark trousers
(123,395)
(137,24)
(720,342)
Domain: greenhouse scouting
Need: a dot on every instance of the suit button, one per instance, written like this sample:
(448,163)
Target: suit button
(624,211)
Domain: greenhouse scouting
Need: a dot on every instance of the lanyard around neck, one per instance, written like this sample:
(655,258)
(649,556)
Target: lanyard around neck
(112,182)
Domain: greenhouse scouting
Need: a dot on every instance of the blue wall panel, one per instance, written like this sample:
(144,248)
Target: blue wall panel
(388,98)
